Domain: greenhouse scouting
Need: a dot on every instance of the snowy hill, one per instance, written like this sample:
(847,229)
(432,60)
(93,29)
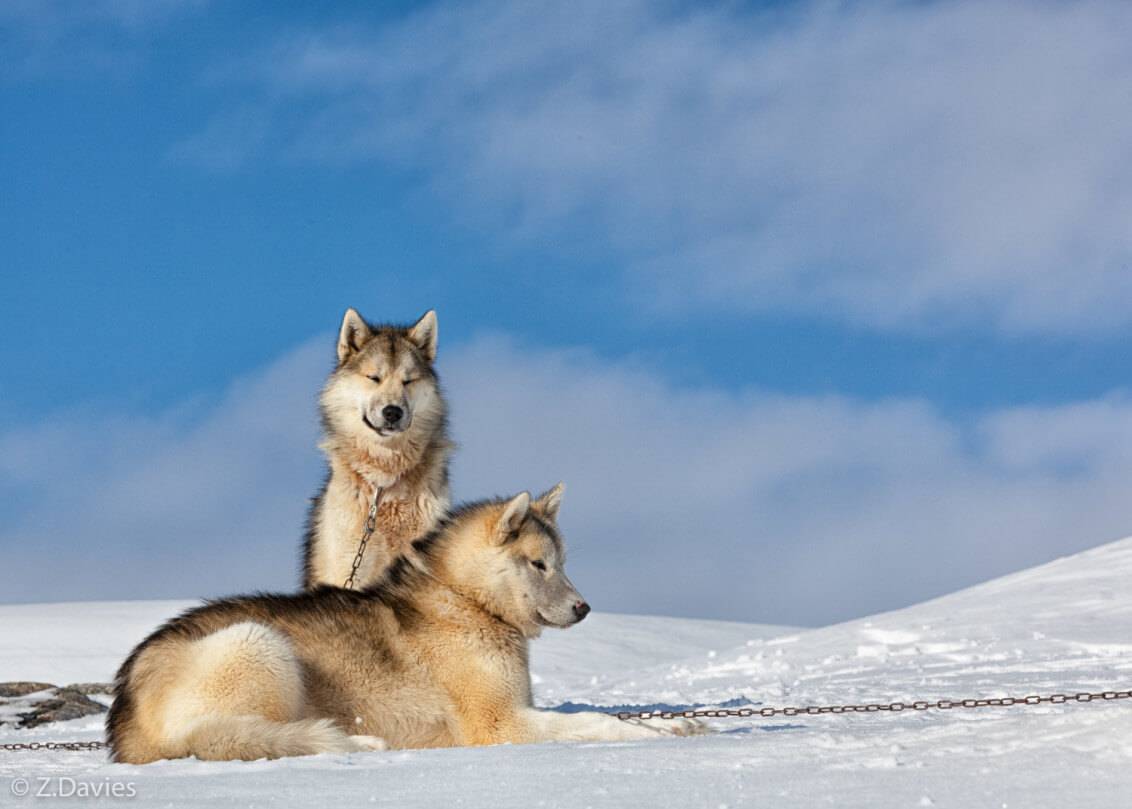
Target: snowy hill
(1066,626)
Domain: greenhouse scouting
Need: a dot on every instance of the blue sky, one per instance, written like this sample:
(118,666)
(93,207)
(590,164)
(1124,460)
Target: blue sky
(901,221)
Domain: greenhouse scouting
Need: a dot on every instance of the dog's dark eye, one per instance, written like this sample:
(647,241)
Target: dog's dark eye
(408,381)
(538,564)
(376,378)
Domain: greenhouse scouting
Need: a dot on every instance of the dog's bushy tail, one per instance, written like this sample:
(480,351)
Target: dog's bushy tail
(223,738)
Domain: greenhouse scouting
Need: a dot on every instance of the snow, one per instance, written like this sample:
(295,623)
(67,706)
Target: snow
(1062,627)
(72,643)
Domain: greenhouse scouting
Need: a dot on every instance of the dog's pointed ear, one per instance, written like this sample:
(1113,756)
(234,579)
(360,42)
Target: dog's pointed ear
(513,515)
(354,334)
(550,500)
(423,334)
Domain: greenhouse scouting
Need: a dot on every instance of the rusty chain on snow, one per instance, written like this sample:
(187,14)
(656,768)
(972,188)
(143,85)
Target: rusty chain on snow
(765,713)
(877,707)
(21,746)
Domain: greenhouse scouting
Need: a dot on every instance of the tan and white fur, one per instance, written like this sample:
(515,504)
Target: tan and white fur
(434,655)
(384,422)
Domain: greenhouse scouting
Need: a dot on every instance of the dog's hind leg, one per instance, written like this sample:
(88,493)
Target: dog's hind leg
(242,697)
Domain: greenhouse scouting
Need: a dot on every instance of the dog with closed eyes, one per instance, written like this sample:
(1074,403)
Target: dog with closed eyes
(385,427)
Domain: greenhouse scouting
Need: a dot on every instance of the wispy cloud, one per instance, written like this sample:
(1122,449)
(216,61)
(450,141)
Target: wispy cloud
(706,502)
(67,36)
(227,142)
(910,166)
(204,497)
(64,14)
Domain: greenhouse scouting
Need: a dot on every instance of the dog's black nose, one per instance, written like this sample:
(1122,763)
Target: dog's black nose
(392,414)
(581,609)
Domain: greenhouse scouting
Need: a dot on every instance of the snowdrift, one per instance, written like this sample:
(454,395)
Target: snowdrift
(1065,626)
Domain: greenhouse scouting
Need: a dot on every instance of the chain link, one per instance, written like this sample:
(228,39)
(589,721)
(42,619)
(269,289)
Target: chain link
(764,713)
(22,746)
(367,532)
(877,707)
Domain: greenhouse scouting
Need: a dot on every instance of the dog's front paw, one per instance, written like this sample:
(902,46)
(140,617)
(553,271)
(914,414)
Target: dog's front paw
(677,727)
(367,743)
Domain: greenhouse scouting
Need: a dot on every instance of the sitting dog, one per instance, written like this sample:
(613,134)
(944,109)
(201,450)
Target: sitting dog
(433,655)
(385,434)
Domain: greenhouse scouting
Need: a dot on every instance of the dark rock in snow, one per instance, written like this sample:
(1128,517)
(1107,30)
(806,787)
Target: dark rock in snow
(92,688)
(20,689)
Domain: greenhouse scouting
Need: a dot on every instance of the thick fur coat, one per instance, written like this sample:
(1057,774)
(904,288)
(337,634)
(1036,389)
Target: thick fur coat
(433,655)
(385,424)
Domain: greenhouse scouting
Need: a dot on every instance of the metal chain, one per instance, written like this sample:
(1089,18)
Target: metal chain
(720,713)
(21,746)
(876,707)
(367,532)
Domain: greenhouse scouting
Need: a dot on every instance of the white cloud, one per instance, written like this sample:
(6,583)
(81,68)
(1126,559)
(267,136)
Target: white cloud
(205,498)
(786,508)
(227,142)
(912,166)
(76,36)
(740,505)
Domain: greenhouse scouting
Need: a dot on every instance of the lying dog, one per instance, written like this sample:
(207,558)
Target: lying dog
(434,655)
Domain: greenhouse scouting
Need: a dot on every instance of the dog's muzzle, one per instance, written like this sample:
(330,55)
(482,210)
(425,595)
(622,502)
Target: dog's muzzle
(392,419)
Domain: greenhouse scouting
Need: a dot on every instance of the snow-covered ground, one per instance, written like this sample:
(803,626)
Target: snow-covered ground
(1066,626)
